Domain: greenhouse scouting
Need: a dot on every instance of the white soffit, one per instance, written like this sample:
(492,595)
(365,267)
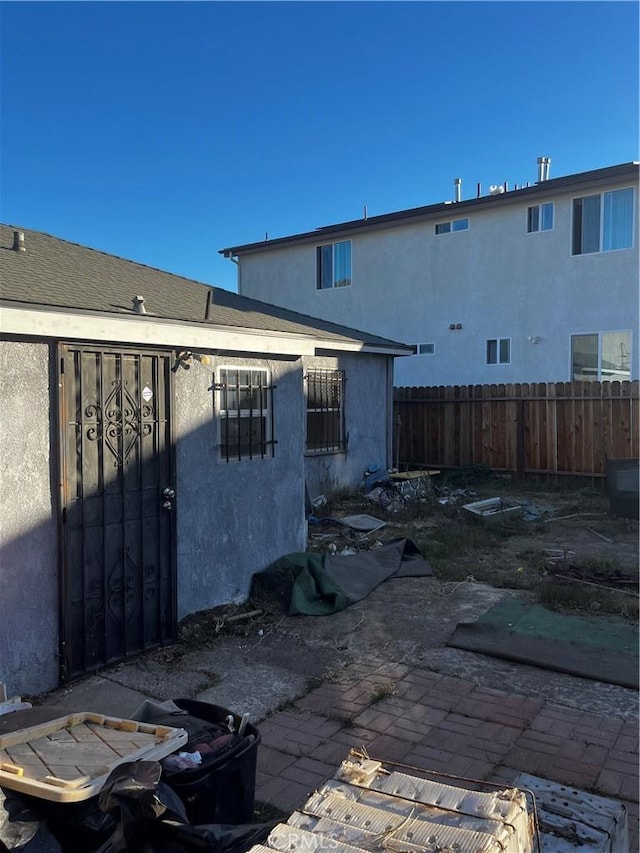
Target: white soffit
(159,332)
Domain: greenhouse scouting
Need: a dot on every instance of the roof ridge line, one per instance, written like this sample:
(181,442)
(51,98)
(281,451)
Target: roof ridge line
(110,255)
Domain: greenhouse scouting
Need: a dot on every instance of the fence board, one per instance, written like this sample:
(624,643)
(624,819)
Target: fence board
(543,453)
(499,428)
(561,427)
(622,440)
(466,426)
(477,425)
(448,417)
(510,434)
(551,437)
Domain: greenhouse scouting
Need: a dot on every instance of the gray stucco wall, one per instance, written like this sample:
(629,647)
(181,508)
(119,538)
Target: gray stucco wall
(28,535)
(367,412)
(234,518)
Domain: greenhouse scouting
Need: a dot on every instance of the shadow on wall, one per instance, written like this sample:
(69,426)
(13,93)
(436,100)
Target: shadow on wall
(121,588)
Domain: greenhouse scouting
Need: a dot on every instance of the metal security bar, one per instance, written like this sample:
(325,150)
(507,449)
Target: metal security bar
(325,411)
(245,411)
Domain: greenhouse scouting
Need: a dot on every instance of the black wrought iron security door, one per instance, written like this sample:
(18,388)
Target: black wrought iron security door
(118,575)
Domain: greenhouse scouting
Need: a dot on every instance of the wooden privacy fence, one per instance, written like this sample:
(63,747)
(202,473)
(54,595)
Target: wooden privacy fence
(537,428)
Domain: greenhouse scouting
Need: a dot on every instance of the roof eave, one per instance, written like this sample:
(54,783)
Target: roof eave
(594,178)
(308,342)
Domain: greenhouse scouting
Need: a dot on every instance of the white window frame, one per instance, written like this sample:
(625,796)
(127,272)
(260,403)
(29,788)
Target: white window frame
(539,207)
(264,446)
(319,265)
(498,342)
(598,376)
(601,248)
(329,378)
(451,229)
(420,351)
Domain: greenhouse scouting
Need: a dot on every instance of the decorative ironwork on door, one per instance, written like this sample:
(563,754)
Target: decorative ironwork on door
(118,577)
(119,422)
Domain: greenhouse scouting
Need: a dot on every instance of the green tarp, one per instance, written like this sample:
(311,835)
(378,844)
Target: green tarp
(321,584)
(600,648)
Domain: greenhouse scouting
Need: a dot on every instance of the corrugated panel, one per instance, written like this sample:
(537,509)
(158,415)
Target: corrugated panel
(572,820)
(381,813)
(286,837)
(366,807)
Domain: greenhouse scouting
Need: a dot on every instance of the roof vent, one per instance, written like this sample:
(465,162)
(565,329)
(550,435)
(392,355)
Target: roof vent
(496,189)
(138,305)
(543,168)
(457,183)
(210,302)
(18,242)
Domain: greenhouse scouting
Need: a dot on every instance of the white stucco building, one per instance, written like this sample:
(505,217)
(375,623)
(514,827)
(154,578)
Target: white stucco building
(535,284)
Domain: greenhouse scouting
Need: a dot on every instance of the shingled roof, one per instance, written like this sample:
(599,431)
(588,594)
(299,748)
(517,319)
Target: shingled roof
(52,272)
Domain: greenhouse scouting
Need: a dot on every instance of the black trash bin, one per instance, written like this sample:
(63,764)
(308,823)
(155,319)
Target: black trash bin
(222,788)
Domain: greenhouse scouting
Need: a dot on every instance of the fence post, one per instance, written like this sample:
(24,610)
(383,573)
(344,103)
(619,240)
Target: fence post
(520,429)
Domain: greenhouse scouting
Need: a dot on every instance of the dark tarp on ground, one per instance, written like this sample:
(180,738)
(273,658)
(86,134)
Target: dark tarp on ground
(135,812)
(590,647)
(321,584)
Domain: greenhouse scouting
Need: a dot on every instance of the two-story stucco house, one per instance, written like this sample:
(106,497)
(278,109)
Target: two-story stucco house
(533,284)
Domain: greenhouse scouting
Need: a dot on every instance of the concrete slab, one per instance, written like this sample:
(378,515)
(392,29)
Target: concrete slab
(97,694)
(160,681)
(257,690)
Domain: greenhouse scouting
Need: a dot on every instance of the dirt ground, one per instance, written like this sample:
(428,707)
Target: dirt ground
(565,547)
(411,619)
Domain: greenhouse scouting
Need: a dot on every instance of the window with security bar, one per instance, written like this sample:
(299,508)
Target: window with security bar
(245,413)
(325,411)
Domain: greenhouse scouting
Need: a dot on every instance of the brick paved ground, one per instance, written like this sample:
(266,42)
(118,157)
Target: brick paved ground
(436,722)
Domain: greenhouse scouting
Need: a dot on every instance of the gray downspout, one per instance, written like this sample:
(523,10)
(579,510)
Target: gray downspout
(390,363)
(236,261)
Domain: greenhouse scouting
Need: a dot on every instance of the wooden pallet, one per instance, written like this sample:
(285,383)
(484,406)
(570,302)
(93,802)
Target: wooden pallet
(68,759)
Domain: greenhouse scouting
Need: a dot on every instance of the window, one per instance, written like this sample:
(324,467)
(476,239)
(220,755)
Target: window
(426,349)
(245,410)
(540,217)
(603,222)
(499,351)
(453,225)
(325,411)
(333,265)
(601,356)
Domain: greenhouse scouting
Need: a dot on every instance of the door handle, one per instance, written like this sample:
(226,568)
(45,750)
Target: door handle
(168,497)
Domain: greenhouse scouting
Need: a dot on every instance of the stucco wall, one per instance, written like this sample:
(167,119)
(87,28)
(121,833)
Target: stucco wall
(233,518)
(28,536)
(367,413)
(236,517)
(494,279)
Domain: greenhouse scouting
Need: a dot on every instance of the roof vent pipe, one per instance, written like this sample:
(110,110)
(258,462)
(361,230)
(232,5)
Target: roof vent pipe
(457,183)
(138,305)
(18,242)
(543,168)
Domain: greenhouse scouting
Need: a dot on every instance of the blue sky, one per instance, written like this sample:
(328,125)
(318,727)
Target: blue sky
(163,132)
